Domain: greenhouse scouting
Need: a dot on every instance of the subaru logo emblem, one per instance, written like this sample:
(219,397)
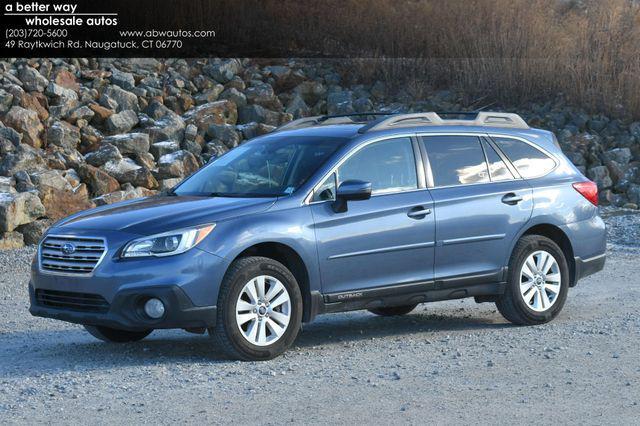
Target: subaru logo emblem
(68,248)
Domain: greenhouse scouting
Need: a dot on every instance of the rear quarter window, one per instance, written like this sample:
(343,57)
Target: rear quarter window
(527,159)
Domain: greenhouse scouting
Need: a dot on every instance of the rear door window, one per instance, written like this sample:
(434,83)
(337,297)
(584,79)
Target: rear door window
(456,160)
(528,160)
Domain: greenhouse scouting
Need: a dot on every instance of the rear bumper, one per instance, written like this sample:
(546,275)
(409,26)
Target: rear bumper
(126,310)
(586,267)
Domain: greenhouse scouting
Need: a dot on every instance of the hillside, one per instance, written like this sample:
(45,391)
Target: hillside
(80,133)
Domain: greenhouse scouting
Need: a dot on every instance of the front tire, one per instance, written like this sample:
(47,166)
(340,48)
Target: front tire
(259,310)
(537,284)
(107,334)
(392,311)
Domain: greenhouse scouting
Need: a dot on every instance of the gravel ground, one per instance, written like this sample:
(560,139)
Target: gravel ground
(448,362)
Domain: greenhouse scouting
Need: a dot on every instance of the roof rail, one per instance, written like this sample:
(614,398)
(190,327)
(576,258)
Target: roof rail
(329,119)
(300,122)
(482,118)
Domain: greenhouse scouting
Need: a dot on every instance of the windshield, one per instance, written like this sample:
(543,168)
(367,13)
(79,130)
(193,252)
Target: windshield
(265,168)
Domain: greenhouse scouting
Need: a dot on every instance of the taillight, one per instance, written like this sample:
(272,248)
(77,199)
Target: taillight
(588,190)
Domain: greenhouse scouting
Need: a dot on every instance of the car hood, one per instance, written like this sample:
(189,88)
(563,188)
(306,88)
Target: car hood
(153,215)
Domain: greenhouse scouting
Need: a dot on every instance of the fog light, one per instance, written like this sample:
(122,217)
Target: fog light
(154,308)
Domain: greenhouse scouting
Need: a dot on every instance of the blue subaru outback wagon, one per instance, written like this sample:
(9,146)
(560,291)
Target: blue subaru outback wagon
(331,214)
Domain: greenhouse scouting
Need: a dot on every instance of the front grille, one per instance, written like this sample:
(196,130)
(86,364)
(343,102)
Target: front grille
(83,302)
(71,255)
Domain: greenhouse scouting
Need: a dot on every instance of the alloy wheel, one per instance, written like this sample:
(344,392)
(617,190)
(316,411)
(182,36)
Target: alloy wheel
(540,281)
(263,310)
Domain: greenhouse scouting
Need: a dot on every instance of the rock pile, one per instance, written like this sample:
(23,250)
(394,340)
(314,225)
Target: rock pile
(79,133)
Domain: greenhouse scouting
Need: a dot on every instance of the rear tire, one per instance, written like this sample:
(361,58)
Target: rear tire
(393,311)
(259,310)
(114,335)
(537,291)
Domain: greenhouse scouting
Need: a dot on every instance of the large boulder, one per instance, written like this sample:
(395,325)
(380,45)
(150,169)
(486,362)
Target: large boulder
(168,184)
(225,133)
(61,94)
(125,100)
(98,181)
(107,152)
(621,156)
(219,112)
(259,114)
(11,135)
(209,95)
(129,143)
(311,91)
(157,110)
(23,182)
(50,178)
(23,157)
(67,80)
(26,122)
(169,127)
(127,171)
(297,107)
(82,113)
(100,114)
(32,80)
(340,103)
(159,149)
(177,165)
(144,159)
(121,122)
(63,134)
(62,203)
(125,194)
(34,101)
(223,70)
(90,139)
(234,95)
(600,175)
(123,79)
(33,232)
(263,94)
(254,129)
(18,209)
(363,104)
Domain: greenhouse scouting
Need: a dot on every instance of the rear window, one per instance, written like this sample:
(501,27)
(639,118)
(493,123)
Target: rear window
(528,160)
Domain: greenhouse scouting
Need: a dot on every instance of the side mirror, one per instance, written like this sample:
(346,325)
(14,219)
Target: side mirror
(351,190)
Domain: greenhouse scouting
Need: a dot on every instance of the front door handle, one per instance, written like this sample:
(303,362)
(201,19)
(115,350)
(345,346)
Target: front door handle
(511,199)
(418,212)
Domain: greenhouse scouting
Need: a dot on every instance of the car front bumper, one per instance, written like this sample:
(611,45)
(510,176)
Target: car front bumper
(126,311)
(115,293)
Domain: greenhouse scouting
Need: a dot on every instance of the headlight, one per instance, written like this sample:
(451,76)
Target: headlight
(167,243)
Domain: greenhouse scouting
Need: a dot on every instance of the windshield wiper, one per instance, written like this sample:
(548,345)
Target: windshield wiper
(218,194)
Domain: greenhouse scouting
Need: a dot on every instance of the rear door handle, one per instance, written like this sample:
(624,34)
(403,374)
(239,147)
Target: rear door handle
(418,212)
(511,199)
